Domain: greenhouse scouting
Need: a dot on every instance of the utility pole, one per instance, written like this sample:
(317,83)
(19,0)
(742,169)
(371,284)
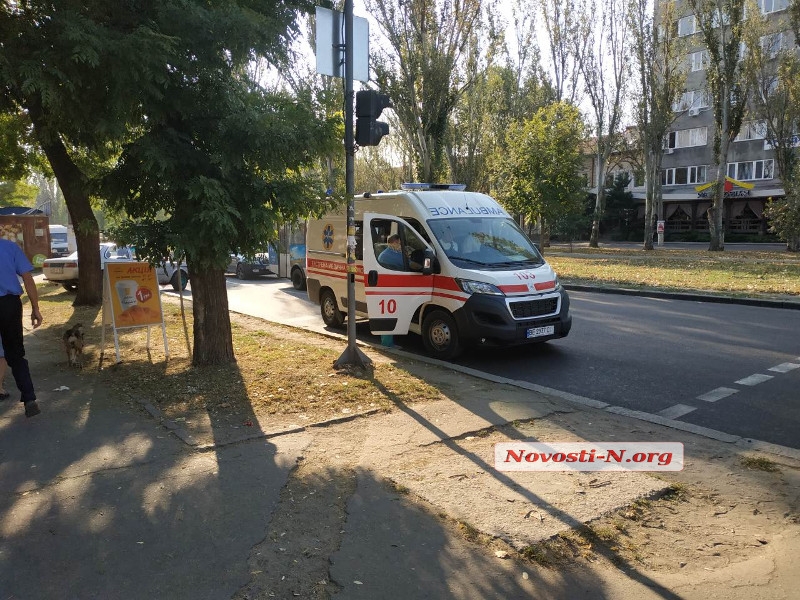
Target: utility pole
(352,356)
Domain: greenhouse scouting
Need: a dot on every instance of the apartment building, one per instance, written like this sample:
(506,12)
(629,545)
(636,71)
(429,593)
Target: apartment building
(752,176)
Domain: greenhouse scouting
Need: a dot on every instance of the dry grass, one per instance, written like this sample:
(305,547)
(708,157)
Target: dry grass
(279,371)
(729,272)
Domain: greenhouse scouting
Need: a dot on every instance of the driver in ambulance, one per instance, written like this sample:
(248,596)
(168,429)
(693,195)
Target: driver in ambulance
(392,256)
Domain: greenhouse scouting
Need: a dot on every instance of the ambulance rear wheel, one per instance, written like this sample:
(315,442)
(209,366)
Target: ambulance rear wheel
(331,315)
(440,335)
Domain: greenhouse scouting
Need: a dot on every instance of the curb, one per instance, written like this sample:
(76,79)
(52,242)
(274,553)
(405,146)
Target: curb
(743,443)
(688,296)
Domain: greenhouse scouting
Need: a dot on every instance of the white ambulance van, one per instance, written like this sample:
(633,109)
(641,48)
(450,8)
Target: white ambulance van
(463,273)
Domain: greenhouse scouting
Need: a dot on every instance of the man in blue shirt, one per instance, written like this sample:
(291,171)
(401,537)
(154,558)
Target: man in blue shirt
(392,256)
(14,264)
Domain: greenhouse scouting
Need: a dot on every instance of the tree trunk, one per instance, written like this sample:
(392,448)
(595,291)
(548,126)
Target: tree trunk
(213,341)
(76,196)
(716,241)
(652,194)
(648,212)
(543,240)
(594,238)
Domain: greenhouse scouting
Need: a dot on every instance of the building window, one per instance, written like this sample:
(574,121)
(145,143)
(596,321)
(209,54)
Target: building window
(698,60)
(772,44)
(751,169)
(771,6)
(683,175)
(720,16)
(679,220)
(746,222)
(687,138)
(691,99)
(752,130)
(686,26)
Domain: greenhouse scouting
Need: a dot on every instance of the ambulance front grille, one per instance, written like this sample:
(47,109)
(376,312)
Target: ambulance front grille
(534,308)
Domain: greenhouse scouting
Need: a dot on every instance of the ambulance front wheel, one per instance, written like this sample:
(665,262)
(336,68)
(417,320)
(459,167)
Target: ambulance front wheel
(331,314)
(440,335)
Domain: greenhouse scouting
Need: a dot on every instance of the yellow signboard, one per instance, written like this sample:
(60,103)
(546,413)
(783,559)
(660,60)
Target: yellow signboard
(131,298)
(133,290)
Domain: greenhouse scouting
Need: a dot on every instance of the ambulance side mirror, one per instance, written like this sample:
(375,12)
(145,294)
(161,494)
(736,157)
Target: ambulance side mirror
(428,262)
(372,278)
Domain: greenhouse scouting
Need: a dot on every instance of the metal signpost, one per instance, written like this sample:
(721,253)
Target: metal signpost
(352,356)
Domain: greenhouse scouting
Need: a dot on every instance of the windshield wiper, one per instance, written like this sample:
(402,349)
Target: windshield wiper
(517,263)
(468,260)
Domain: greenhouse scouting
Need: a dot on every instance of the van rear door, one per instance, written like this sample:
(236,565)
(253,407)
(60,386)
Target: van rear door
(394,284)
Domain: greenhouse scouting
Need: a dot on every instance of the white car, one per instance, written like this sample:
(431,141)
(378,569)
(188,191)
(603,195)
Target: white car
(65,270)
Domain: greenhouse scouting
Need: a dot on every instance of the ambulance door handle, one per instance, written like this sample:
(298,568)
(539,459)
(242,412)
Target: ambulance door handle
(372,278)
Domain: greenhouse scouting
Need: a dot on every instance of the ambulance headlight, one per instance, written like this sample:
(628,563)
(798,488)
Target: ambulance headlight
(478,287)
(558,283)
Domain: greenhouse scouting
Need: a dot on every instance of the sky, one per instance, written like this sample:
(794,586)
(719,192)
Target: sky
(503,8)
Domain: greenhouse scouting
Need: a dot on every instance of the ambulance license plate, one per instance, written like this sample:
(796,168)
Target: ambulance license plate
(540,331)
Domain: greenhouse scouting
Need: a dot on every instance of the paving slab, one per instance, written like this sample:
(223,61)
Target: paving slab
(98,500)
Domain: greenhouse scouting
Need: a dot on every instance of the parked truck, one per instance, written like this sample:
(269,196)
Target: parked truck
(59,241)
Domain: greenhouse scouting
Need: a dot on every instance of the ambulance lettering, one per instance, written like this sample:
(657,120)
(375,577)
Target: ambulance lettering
(444,211)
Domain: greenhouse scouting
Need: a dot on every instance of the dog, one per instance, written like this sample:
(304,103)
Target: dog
(73,344)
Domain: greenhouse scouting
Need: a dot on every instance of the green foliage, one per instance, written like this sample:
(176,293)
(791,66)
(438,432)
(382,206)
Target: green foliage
(17,193)
(419,69)
(540,173)
(222,176)
(18,151)
(784,216)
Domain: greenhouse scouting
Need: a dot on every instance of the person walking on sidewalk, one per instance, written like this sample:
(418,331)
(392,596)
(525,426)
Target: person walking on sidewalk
(3,364)
(14,264)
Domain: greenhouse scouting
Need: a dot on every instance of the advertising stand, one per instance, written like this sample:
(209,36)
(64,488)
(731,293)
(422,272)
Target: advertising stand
(131,299)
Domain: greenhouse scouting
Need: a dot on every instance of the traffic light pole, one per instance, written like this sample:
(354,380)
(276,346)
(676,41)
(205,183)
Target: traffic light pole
(352,356)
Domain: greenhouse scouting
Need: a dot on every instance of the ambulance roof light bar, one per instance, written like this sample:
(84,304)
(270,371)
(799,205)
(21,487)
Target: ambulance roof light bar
(417,187)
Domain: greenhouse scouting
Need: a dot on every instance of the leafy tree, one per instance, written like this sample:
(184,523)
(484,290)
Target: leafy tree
(149,103)
(427,43)
(774,71)
(658,58)
(219,170)
(619,203)
(722,25)
(601,44)
(560,20)
(540,177)
(17,193)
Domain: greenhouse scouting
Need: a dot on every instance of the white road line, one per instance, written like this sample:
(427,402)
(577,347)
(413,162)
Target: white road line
(717,394)
(676,412)
(784,367)
(754,379)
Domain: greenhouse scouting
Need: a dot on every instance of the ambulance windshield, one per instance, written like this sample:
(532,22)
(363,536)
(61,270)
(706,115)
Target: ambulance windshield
(486,241)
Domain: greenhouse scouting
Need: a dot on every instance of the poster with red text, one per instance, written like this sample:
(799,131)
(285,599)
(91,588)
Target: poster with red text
(133,290)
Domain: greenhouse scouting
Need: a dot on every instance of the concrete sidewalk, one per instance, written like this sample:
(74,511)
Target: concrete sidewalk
(98,499)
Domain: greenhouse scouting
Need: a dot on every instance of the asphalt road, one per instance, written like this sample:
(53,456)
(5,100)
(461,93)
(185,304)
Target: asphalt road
(673,357)
(685,360)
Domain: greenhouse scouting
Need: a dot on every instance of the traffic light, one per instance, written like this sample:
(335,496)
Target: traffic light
(369,106)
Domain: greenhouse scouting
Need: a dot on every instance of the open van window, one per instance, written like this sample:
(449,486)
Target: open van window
(492,242)
(385,237)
